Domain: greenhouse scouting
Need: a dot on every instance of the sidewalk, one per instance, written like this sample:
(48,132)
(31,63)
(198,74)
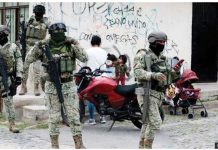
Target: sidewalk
(177,132)
(209,91)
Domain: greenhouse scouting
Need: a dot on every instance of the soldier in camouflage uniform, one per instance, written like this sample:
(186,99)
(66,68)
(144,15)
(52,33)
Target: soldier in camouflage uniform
(36,29)
(13,60)
(159,74)
(65,51)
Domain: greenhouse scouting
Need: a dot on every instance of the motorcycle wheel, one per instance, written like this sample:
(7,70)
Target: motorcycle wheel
(64,118)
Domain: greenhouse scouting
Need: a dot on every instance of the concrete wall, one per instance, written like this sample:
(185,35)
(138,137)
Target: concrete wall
(124,27)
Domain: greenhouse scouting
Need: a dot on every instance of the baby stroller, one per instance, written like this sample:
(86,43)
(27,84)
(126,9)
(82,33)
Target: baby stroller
(182,94)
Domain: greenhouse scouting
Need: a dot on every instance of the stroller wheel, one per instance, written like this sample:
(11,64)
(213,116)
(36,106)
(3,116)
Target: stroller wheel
(190,116)
(204,114)
(171,112)
(185,111)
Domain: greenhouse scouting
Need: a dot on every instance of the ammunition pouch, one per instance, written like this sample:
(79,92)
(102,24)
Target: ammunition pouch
(65,68)
(36,32)
(65,65)
(160,66)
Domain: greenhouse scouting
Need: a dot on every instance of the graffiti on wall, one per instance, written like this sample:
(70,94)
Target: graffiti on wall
(123,27)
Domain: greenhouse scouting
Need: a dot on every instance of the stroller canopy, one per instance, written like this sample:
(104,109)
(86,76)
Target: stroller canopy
(188,75)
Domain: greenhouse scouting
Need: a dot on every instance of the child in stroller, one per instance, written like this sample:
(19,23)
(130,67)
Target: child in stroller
(181,93)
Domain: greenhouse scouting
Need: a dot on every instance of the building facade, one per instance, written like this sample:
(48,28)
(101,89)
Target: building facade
(191,28)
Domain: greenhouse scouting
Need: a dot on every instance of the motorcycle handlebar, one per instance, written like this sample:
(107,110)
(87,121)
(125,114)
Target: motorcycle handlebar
(96,72)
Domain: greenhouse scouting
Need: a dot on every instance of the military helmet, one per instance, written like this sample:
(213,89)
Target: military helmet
(57,26)
(5,29)
(157,36)
(39,9)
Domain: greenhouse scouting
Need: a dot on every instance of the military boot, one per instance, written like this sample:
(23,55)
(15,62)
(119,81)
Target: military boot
(13,128)
(23,89)
(148,143)
(78,142)
(141,143)
(54,141)
(36,89)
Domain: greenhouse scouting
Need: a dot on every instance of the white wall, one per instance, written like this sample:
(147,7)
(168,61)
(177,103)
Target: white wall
(113,22)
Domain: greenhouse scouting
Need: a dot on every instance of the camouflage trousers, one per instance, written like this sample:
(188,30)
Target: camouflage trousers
(149,129)
(37,65)
(9,107)
(71,106)
(8,101)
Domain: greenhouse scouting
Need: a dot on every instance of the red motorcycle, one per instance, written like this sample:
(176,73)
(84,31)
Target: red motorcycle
(118,101)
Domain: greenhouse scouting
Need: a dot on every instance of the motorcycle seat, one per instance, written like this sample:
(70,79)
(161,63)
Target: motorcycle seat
(126,90)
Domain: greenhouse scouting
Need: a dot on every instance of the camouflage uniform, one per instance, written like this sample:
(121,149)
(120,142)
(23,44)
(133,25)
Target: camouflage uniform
(70,102)
(156,94)
(36,31)
(11,54)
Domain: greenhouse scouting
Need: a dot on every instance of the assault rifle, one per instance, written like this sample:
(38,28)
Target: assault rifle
(146,87)
(53,74)
(13,87)
(23,40)
(4,75)
(145,92)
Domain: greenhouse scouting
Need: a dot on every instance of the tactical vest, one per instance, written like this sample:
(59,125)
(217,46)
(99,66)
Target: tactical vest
(160,65)
(37,29)
(65,61)
(7,52)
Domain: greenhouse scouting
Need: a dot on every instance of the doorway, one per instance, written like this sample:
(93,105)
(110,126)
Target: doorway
(204,41)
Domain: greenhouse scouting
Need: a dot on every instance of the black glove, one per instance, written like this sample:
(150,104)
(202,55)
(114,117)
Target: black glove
(18,81)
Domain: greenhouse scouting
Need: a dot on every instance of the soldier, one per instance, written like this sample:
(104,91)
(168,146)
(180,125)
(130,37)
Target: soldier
(36,29)
(65,51)
(151,66)
(14,67)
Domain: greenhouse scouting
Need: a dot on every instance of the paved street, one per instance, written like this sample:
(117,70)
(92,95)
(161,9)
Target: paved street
(176,132)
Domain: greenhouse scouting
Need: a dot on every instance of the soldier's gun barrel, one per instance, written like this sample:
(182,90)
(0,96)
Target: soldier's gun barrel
(23,40)
(53,72)
(146,87)
(4,75)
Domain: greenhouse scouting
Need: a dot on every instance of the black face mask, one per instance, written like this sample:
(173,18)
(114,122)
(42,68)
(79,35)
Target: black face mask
(157,48)
(58,37)
(38,16)
(3,39)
